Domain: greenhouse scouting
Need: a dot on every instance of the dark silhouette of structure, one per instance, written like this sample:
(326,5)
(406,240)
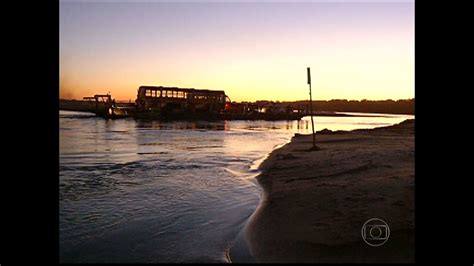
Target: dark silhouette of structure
(158,102)
(173,100)
(311,111)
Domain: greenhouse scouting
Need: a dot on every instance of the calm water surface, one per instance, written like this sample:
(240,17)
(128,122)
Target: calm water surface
(150,191)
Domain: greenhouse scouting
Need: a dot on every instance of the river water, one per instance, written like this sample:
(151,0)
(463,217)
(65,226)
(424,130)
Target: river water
(150,191)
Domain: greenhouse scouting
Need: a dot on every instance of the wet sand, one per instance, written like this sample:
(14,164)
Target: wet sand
(316,202)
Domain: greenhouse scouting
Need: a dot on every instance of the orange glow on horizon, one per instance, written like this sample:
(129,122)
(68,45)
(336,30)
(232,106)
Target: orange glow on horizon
(366,55)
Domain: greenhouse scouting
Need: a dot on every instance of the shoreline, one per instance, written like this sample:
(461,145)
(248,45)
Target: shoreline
(324,225)
(239,251)
(317,114)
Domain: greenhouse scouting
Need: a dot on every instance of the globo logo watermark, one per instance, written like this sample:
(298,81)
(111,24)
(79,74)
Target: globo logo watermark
(375,232)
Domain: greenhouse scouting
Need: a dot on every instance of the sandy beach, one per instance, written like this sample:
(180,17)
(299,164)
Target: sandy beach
(316,202)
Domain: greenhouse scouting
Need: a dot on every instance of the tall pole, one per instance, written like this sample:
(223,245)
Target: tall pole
(311,108)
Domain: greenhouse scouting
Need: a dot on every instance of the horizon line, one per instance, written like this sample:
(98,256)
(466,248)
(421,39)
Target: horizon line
(400,99)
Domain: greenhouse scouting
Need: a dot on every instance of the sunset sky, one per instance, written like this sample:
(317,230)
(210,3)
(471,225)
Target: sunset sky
(252,50)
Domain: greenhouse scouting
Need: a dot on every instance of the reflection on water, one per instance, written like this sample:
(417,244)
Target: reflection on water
(150,191)
(350,123)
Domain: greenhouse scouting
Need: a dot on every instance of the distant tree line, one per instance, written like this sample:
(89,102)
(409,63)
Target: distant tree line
(364,106)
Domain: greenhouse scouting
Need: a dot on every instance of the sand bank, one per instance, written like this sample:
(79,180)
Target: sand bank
(315,203)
